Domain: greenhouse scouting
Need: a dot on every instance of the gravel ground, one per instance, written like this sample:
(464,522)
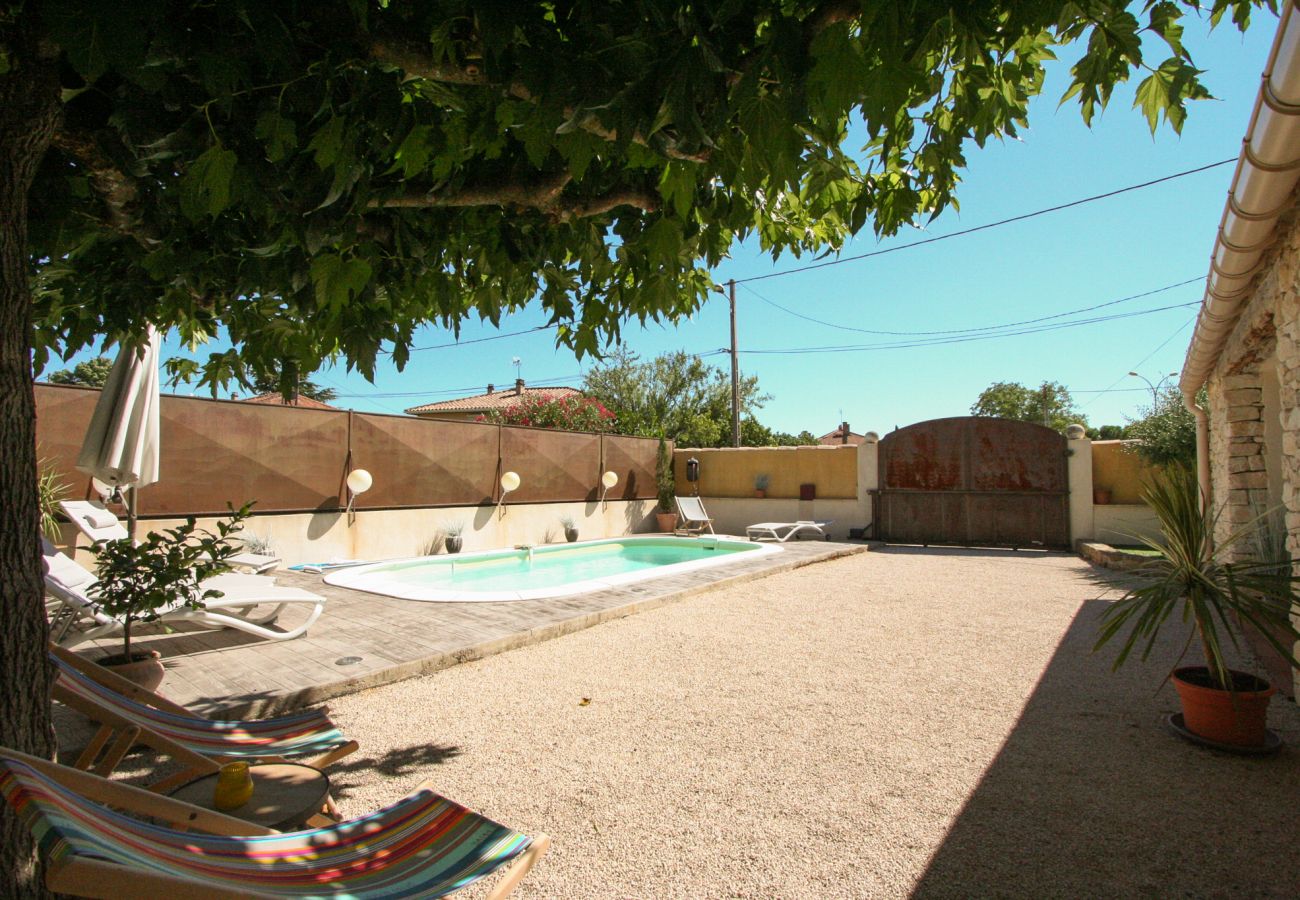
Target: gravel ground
(901,722)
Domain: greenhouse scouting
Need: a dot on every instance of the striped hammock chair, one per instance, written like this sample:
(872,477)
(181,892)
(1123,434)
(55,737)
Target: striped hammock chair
(422,846)
(307,737)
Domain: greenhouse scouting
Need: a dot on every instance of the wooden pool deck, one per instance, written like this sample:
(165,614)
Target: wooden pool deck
(364,640)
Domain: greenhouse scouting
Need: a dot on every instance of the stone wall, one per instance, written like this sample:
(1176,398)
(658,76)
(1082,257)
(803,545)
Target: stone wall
(1267,337)
(1255,433)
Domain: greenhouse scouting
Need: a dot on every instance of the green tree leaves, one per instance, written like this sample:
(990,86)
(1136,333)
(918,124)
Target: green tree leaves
(1049,404)
(1166,431)
(325,180)
(205,190)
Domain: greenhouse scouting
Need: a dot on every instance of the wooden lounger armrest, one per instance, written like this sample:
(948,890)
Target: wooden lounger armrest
(80,876)
(138,800)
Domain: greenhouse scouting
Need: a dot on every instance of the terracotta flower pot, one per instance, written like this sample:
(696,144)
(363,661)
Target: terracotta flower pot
(570,534)
(760,493)
(1100,496)
(1228,717)
(666,521)
(453,543)
(145,668)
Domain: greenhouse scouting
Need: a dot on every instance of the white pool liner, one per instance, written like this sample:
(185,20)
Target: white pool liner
(374,578)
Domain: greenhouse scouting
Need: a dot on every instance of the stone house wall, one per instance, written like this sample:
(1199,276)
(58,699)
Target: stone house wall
(1254,399)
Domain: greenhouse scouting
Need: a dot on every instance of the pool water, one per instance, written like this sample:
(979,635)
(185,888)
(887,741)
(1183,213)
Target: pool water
(549,571)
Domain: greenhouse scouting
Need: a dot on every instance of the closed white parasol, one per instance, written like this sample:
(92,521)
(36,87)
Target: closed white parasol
(121,445)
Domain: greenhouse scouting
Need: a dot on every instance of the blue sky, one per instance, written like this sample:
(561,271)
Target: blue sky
(1081,257)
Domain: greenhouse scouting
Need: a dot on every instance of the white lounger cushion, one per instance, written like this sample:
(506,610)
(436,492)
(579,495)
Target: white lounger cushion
(99,523)
(72,585)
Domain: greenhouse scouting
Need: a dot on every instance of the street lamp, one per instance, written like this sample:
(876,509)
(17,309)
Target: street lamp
(1155,388)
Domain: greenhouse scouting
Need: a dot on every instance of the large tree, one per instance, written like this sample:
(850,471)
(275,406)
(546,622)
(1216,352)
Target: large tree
(1048,404)
(90,373)
(323,178)
(675,395)
(1165,433)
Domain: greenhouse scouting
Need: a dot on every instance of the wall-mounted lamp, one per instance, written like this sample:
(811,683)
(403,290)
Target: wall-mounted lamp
(607,481)
(359,481)
(509,482)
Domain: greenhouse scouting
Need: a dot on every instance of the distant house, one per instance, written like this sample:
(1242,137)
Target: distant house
(275,399)
(842,435)
(468,409)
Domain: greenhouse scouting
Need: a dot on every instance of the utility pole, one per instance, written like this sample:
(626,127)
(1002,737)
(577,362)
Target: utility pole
(1046,420)
(735,369)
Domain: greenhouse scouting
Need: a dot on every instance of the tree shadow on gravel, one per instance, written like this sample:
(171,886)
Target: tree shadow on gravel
(1091,796)
(399,762)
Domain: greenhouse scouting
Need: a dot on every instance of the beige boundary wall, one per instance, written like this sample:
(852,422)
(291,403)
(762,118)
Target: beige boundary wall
(844,494)
(379,534)
(844,477)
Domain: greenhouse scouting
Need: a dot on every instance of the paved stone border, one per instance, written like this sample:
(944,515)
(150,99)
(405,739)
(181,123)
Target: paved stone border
(364,640)
(1108,556)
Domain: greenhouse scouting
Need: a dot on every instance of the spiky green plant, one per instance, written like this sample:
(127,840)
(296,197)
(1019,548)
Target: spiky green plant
(1192,576)
(52,490)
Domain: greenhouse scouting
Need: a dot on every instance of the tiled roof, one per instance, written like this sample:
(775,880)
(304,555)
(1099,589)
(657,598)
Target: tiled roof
(837,437)
(274,399)
(495,400)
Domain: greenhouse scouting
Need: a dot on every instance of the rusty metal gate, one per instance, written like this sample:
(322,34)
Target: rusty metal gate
(974,481)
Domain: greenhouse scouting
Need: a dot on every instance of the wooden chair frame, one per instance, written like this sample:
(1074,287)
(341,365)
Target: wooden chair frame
(117,735)
(83,877)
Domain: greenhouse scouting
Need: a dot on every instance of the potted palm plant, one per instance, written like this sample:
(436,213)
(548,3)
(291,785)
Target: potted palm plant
(666,487)
(139,581)
(761,481)
(1214,595)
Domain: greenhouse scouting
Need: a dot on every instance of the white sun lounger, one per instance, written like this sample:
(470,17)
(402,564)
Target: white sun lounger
(694,518)
(99,523)
(69,583)
(783,531)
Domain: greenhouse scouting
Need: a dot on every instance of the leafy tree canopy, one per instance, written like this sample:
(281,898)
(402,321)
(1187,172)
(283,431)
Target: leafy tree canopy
(1108,433)
(277,383)
(323,178)
(92,373)
(1166,431)
(676,395)
(1049,404)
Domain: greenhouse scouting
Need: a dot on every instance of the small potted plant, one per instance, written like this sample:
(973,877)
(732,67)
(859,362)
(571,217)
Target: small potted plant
(570,528)
(452,539)
(1100,495)
(761,481)
(666,487)
(1194,578)
(137,582)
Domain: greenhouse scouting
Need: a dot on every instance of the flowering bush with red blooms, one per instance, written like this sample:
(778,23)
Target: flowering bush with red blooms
(571,412)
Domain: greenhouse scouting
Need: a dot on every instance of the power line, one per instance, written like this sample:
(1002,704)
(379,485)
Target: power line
(544,382)
(962,339)
(495,337)
(1177,331)
(1062,315)
(966,231)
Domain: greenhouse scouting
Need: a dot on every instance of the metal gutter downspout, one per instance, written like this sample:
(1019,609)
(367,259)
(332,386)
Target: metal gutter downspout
(1262,188)
(1202,447)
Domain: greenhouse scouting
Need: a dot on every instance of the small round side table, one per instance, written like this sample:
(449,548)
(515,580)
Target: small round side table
(285,795)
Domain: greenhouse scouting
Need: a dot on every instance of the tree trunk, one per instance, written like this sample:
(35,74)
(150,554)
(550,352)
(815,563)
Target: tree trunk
(29,108)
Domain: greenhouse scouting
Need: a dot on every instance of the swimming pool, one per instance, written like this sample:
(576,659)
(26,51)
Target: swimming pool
(557,570)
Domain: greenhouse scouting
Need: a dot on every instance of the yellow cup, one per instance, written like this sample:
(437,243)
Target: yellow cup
(234,786)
